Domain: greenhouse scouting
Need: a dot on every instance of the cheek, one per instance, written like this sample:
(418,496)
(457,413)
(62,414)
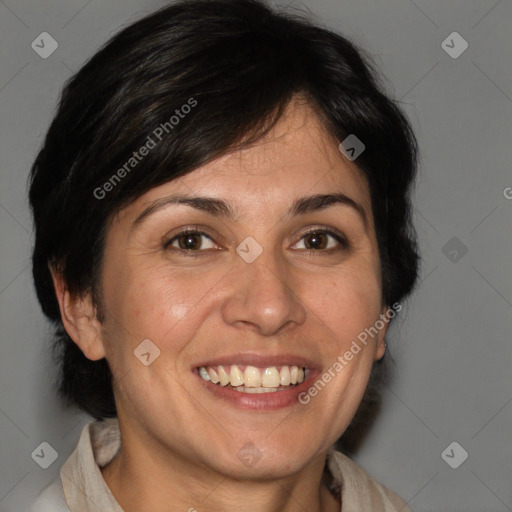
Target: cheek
(345,302)
(158,303)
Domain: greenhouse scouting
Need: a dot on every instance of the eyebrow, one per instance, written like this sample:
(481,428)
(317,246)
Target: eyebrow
(225,209)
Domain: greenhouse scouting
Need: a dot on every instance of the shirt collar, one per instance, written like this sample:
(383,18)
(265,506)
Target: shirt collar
(82,481)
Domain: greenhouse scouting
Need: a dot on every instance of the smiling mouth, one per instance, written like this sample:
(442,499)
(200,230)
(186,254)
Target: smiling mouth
(253,379)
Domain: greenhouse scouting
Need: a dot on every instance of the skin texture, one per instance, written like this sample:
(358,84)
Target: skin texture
(180,442)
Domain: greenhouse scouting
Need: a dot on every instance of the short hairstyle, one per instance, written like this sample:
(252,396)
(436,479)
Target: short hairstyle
(214,76)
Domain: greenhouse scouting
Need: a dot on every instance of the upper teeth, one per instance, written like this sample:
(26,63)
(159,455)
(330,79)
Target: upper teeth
(253,377)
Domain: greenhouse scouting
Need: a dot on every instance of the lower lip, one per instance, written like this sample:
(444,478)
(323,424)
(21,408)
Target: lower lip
(259,401)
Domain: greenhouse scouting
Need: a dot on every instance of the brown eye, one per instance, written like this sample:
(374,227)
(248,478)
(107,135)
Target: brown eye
(322,240)
(191,241)
(316,241)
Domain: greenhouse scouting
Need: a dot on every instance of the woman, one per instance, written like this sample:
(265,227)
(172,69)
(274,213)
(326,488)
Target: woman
(222,225)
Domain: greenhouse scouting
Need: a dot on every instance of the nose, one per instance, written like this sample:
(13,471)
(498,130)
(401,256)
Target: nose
(263,296)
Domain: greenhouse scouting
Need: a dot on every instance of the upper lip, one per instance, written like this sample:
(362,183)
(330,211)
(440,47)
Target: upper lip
(260,360)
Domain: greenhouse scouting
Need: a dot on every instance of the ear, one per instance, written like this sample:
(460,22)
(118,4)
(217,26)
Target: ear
(380,347)
(79,318)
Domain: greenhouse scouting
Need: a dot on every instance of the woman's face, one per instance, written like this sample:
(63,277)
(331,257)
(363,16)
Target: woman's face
(211,299)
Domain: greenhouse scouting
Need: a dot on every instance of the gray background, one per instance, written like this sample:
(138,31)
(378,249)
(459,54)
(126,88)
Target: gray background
(452,347)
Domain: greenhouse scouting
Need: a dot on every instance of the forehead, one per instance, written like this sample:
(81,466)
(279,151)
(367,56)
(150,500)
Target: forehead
(297,157)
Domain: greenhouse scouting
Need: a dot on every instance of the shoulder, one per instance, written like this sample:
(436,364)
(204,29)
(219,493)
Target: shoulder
(51,499)
(361,490)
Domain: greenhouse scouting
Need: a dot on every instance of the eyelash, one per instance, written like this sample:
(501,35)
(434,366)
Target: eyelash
(341,239)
